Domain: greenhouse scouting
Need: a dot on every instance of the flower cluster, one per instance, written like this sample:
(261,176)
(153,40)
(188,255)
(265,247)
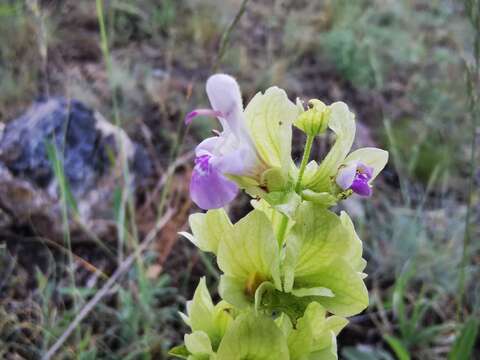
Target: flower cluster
(292,269)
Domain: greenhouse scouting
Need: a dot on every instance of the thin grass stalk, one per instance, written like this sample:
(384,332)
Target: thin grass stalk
(58,169)
(227,34)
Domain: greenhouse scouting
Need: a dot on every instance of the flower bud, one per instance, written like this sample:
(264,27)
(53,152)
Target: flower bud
(314,121)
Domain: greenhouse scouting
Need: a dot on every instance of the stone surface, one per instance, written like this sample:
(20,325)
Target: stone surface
(93,153)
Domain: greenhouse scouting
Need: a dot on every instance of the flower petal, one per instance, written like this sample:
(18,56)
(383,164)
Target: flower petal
(242,162)
(346,175)
(209,189)
(361,187)
(225,97)
(371,157)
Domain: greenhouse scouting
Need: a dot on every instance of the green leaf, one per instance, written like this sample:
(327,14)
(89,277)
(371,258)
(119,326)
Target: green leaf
(253,337)
(203,316)
(180,352)
(320,252)
(209,229)
(342,123)
(198,342)
(249,257)
(269,120)
(328,353)
(300,339)
(354,255)
(324,199)
(465,341)
(286,202)
(274,216)
(401,352)
(319,235)
(315,335)
(336,323)
(233,290)
(350,293)
(315,291)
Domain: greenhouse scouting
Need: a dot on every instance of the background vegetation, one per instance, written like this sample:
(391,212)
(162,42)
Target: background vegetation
(408,68)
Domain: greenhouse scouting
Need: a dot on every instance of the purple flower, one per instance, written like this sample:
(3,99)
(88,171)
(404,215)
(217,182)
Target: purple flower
(210,189)
(355,176)
(232,152)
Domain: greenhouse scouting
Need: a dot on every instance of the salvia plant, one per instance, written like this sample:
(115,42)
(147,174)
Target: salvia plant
(292,269)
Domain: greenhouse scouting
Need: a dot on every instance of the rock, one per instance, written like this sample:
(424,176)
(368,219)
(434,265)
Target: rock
(93,153)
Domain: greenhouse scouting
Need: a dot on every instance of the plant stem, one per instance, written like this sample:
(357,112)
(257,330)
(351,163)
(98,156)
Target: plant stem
(298,187)
(282,230)
(303,165)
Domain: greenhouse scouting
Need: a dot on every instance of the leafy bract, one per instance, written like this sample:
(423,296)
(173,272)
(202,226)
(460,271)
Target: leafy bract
(275,217)
(354,255)
(269,118)
(342,123)
(314,335)
(198,343)
(209,229)
(248,257)
(202,316)
(253,337)
(319,254)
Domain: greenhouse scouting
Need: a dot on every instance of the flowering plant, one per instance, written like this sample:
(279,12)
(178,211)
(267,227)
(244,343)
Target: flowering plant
(292,269)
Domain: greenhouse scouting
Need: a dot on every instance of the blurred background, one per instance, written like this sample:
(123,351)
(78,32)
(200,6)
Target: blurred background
(88,219)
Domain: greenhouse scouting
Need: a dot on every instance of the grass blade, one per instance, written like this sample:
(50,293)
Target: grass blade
(398,348)
(465,342)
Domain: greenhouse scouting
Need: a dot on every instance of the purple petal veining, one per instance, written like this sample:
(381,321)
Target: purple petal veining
(209,189)
(355,176)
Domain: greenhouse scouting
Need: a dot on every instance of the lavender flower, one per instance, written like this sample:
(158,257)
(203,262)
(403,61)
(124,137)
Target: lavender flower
(355,176)
(251,142)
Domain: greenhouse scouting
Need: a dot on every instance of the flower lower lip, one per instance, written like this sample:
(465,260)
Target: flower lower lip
(209,188)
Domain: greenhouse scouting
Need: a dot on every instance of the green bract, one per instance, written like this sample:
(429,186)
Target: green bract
(206,320)
(319,254)
(342,123)
(322,260)
(314,121)
(314,337)
(251,335)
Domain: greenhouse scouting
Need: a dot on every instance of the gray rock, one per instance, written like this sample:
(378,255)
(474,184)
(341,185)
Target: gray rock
(93,153)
